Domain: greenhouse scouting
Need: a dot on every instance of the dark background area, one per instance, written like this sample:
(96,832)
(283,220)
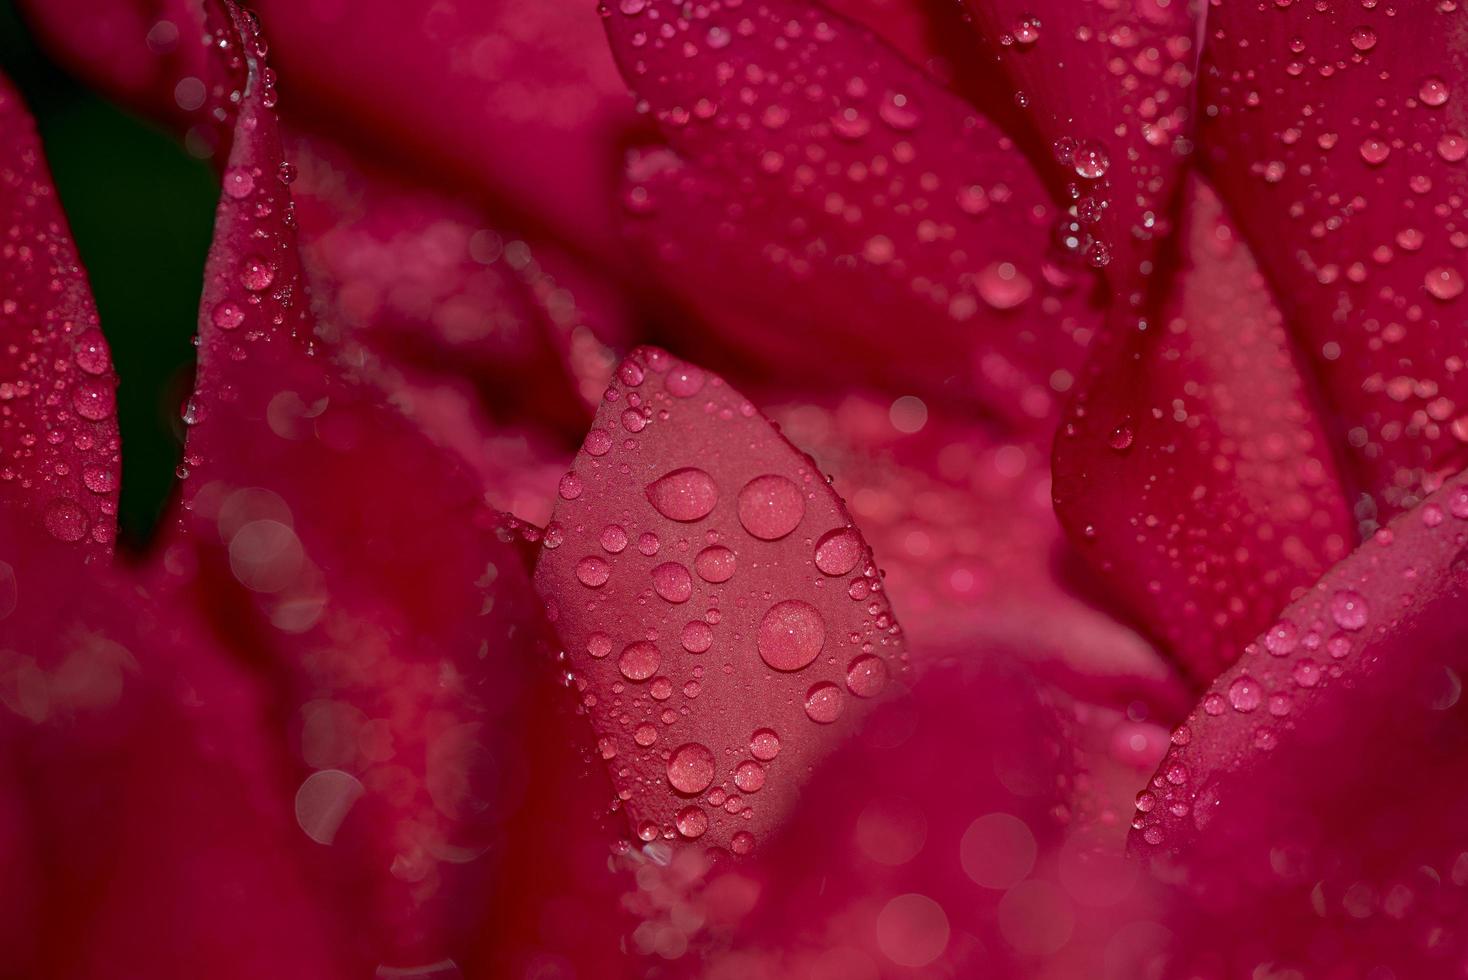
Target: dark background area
(141,210)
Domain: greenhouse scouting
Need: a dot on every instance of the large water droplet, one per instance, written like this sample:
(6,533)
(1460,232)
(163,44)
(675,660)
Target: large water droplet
(838,551)
(672,582)
(1348,609)
(691,768)
(687,494)
(1244,694)
(639,660)
(823,703)
(770,507)
(791,635)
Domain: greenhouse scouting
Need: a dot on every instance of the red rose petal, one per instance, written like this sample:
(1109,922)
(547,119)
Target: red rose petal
(59,462)
(1108,89)
(1313,800)
(813,169)
(1195,473)
(330,540)
(1341,155)
(677,686)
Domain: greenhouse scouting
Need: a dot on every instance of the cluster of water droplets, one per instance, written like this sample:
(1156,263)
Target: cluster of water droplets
(690,632)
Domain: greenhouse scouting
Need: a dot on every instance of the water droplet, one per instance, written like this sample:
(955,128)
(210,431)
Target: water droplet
(764,745)
(65,520)
(614,539)
(1348,609)
(1090,160)
(94,400)
(1121,438)
(1363,38)
(1434,91)
(598,442)
(770,507)
(838,551)
(685,381)
(227,315)
(692,822)
(1452,147)
(599,645)
(697,636)
(1244,693)
(238,183)
(671,581)
(691,768)
(715,564)
(570,487)
(1444,282)
(1281,638)
(749,777)
(593,572)
(91,353)
(791,635)
(1375,151)
(687,494)
(639,660)
(866,676)
(1027,31)
(256,273)
(742,843)
(823,703)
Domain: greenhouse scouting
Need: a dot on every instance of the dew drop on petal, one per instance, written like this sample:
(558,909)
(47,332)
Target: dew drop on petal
(823,703)
(687,494)
(672,582)
(639,660)
(791,635)
(770,507)
(838,551)
(715,564)
(1348,609)
(691,768)
(1244,694)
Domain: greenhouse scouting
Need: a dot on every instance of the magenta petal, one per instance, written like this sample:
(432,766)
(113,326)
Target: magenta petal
(717,604)
(1313,801)
(825,202)
(353,559)
(1194,472)
(1341,152)
(145,836)
(1107,87)
(59,450)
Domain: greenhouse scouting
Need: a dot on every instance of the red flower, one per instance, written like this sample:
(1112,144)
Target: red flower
(347,717)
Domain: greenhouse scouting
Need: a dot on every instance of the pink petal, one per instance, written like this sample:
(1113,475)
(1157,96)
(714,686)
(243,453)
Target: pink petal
(144,832)
(59,450)
(971,550)
(825,203)
(1107,89)
(517,99)
(1195,473)
(1313,801)
(714,600)
(933,843)
(353,559)
(1341,153)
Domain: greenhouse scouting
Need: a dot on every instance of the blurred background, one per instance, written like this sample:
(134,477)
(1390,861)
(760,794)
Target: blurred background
(141,210)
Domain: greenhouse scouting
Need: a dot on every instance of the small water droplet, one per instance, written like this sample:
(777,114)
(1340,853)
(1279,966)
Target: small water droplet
(764,744)
(1244,693)
(1348,609)
(639,660)
(838,551)
(672,582)
(823,703)
(593,572)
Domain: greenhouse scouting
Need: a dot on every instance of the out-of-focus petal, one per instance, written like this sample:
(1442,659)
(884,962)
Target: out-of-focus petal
(1107,90)
(933,843)
(971,552)
(722,613)
(1195,471)
(59,449)
(823,202)
(1337,137)
(353,560)
(148,839)
(1313,802)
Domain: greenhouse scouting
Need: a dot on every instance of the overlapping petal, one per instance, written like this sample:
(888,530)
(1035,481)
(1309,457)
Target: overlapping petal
(59,461)
(1336,136)
(1195,471)
(824,202)
(1312,801)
